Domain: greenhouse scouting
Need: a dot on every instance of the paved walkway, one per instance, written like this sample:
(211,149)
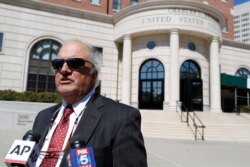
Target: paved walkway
(190,153)
(161,152)
(173,153)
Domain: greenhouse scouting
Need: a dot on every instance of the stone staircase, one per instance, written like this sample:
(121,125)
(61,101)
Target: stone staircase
(219,126)
(226,126)
(160,124)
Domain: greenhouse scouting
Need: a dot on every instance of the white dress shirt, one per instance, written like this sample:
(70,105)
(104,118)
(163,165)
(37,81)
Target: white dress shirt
(78,108)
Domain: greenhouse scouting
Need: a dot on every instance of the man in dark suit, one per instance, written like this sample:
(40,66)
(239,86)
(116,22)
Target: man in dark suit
(111,128)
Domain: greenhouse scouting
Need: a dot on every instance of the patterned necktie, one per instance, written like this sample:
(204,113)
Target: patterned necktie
(57,140)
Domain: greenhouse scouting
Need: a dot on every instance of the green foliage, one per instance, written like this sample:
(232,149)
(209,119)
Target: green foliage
(243,109)
(30,96)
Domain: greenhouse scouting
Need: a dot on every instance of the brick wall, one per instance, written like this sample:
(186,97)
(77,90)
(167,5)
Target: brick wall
(225,8)
(106,8)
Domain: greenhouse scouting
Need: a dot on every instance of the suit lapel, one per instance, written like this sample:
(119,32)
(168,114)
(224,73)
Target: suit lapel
(88,122)
(90,118)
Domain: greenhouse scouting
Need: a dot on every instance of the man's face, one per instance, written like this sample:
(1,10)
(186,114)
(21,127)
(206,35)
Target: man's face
(73,84)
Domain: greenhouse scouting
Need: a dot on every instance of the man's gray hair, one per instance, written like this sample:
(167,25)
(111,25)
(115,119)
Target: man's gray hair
(95,57)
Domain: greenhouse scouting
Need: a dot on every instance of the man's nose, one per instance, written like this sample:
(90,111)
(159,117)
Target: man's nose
(65,67)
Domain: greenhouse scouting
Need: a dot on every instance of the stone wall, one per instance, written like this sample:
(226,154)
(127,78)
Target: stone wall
(16,118)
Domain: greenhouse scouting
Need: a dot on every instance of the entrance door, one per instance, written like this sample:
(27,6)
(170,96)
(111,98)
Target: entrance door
(151,95)
(151,85)
(196,95)
(191,94)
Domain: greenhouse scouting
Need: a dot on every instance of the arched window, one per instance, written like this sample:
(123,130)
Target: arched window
(189,69)
(242,72)
(151,85)
(191,91)
(40,73)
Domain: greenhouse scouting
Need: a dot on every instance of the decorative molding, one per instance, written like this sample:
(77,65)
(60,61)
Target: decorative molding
(181,4)
(237,44)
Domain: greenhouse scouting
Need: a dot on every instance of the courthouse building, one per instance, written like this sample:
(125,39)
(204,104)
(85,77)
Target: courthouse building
(153,53)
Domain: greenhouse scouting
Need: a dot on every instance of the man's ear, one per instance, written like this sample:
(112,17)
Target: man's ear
(94,76)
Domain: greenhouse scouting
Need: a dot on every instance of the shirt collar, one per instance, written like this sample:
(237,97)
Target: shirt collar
(80,105)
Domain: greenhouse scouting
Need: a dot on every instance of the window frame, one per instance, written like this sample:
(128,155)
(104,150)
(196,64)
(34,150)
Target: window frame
(118,3)
(2,47)
(93,2)
(242,72)
(134,2)
(224,1)
(40,75)
(190,69)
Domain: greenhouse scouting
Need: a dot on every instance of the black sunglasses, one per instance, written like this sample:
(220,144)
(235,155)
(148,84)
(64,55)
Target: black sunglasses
(73,63)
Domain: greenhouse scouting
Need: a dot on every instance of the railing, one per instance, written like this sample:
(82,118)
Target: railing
(183,114)
(194,117)
(237,110)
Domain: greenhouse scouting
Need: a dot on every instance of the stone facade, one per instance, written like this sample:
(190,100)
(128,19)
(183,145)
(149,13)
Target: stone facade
(124,38)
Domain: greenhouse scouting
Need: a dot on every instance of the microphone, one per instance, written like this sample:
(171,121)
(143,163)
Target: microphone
(80,155)
(24,153)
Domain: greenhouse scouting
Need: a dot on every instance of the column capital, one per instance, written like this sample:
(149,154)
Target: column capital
(174,30)
(126,36)
(215,38)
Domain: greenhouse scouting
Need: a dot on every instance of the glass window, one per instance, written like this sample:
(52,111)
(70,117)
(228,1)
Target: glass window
(117,4)
(243,72)
(189,69)
(96,2)
(152,69)
(191,46)
(98,51)
(151,85)
(134,2)
(40,74)
(1,42)
(151,45)
(225,29)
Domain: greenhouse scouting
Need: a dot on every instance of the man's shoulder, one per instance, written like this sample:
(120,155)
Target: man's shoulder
(112,102)
(110,105)
(51,108)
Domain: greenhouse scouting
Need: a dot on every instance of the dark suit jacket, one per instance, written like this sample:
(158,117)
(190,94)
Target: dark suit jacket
(111,128)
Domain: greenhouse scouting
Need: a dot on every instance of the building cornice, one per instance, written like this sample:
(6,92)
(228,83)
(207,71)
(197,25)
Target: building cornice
(236,44)
(141,7)
(163,4)
(60,9)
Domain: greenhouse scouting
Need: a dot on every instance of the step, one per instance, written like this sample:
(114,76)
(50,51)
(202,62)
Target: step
(219,126)
(158,124)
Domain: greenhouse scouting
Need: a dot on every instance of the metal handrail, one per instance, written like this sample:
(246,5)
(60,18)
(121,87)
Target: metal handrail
(180,104)
(193,118)
(201,125)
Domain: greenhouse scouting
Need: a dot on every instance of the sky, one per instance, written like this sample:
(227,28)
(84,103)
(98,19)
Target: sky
(237,2)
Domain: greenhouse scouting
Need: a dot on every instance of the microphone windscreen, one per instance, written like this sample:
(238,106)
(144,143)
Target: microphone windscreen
(32,136)
(77,141)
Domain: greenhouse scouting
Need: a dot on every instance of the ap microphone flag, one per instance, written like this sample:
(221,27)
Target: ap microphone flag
(24,153)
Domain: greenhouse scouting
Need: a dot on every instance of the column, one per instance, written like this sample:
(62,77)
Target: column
(215,90)
(126,70)
(174,69)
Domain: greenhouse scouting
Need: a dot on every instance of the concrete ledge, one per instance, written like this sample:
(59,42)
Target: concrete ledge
(16,118)
(19,115)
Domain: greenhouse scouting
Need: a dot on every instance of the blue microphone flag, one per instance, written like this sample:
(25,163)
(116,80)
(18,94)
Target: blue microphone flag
(82,157)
